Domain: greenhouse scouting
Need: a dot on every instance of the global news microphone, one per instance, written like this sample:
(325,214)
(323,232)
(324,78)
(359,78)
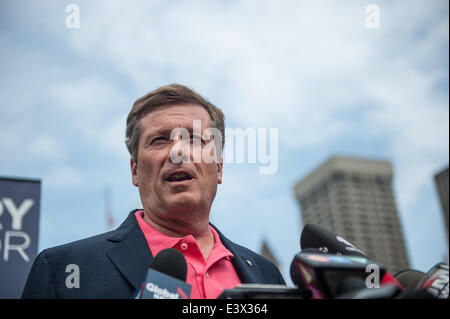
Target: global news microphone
(177,191)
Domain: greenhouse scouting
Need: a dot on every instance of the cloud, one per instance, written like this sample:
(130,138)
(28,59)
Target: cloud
(96,108)
(312,69)
(315,61)
(46,147)
(63,177)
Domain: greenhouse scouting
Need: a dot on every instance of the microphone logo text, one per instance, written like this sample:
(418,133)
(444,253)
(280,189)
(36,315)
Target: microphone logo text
(161,293)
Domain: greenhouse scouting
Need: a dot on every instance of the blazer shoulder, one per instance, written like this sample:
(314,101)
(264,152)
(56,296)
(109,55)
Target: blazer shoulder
(89,244)
(95,244)
(90,258)
(40,282)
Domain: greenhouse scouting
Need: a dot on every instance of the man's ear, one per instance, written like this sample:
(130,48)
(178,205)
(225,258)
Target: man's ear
(134,168)
(219,171)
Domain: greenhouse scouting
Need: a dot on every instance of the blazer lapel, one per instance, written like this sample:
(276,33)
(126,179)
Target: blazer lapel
(243,264)
(131,254)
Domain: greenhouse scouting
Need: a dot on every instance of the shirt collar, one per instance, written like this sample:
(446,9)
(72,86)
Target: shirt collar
(158,241)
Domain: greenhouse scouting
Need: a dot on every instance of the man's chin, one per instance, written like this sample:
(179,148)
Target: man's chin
(182,201)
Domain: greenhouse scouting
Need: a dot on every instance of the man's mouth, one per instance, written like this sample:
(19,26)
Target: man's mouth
(179,177)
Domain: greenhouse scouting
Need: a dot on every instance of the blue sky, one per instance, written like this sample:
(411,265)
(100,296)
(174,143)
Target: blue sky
(312,69)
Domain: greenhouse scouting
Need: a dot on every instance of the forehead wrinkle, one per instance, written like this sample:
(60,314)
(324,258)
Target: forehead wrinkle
(167,122)
(183,112)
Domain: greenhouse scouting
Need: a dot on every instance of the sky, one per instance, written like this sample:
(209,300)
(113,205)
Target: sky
(317,71)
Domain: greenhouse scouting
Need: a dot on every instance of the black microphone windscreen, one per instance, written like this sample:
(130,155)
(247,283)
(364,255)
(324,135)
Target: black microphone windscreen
(409,278)
(170,262)
(314,236)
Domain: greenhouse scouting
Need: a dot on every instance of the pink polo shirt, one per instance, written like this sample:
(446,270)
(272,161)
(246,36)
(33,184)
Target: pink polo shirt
(207,278)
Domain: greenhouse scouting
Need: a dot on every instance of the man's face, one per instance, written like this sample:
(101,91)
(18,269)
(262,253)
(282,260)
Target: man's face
(174,191)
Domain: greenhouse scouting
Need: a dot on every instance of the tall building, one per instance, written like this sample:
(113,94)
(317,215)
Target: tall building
(441,181)
(354,198)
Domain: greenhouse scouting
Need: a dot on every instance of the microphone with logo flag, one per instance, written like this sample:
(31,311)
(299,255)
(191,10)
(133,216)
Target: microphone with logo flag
(166,277)
(330,276)
(314,236)
(436,281)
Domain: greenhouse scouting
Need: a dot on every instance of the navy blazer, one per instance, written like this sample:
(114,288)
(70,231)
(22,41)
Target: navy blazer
(114,264)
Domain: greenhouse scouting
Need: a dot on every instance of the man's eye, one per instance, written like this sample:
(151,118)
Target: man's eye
(158,139)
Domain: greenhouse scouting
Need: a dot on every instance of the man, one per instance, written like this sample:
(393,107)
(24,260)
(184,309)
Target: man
(175,138)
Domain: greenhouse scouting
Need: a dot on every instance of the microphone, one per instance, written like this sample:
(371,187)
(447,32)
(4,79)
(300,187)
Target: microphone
(166,277)
(386,292)
(328,276)
(409,278)
(297,276)
(314,236)
(266,291)
(263,291)
(436,281)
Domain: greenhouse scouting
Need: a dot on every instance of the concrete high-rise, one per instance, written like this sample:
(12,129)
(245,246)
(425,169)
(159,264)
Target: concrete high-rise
(353,197)
(441,181)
